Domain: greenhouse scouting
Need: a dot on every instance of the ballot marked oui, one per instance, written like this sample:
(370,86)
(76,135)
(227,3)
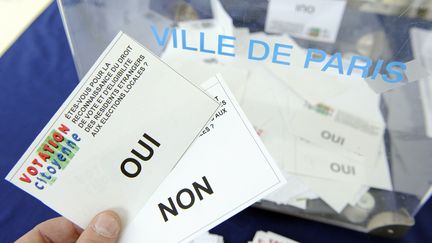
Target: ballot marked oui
(279,53)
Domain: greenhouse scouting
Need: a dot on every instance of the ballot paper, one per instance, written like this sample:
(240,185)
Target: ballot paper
(321,179)
(350,180)
(270,237)
(341,131)
(226,170)
(267,102)
(331,164)
(317,20)
(116,137)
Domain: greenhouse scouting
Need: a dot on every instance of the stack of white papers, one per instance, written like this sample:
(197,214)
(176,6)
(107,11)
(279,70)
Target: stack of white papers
(317,20)
(325,130)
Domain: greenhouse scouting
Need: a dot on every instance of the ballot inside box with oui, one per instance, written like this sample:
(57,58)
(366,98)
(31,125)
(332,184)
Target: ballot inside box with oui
(339,99)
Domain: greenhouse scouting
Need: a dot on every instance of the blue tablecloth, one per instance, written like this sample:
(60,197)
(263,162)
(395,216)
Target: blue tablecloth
(36,76)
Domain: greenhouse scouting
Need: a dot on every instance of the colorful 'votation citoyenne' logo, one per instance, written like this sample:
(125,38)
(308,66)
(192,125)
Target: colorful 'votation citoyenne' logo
(53,155)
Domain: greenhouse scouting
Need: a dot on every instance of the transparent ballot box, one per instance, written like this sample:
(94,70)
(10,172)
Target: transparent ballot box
(340,92)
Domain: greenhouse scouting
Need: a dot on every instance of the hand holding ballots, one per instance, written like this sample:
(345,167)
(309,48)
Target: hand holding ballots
(126,140)
(110,139)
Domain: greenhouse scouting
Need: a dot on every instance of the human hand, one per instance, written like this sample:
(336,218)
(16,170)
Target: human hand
(105,227)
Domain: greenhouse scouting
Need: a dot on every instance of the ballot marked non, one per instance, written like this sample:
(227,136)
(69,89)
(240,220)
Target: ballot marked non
(226,170)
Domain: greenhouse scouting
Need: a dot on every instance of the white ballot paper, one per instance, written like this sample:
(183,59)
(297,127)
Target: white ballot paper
(226,170)
(116,137)
(309,19)
(340,131)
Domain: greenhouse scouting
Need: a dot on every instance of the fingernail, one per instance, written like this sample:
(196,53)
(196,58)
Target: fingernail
(106,225)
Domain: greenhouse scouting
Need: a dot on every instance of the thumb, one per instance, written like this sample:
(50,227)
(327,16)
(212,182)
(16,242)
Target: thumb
(105,227)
